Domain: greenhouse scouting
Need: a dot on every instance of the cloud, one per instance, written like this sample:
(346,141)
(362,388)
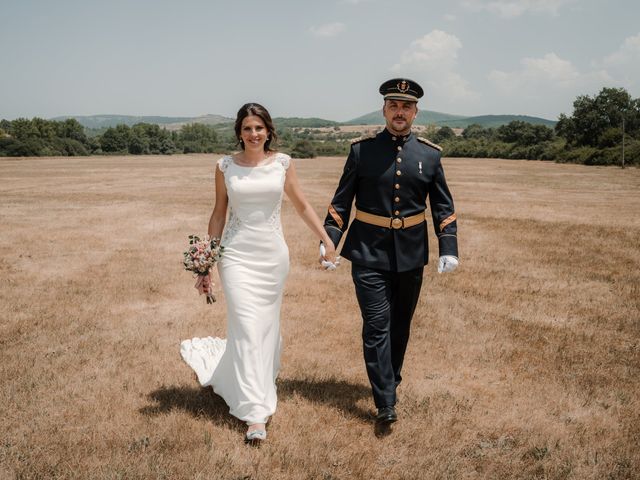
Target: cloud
(450,17)
(547,73)
(436,49)
(624,63)
(435,57)
(627,55)
(516,8)
(548,70)
(548,82)
(328,29)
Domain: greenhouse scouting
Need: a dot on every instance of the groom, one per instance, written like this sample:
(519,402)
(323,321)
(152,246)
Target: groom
(391,175)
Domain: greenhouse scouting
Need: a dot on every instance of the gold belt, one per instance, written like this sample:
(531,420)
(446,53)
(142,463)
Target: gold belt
(390,222)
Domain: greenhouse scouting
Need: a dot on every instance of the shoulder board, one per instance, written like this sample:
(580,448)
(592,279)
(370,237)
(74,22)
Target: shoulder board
(363,138)
(431,144)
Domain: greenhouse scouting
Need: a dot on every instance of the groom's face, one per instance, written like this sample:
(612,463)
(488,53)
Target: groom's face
(399,115)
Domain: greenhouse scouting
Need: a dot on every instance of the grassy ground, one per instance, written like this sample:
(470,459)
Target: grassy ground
(524,363)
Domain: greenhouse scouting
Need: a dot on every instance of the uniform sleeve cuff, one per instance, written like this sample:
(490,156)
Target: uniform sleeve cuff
(448,245)
(335,234)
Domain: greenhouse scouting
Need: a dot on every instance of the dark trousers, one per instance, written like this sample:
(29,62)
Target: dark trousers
(387,301)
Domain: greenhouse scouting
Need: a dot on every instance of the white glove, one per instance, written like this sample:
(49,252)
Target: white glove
(447,263)
(325,263)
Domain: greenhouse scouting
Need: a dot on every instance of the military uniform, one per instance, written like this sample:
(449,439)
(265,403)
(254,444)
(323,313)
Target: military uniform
(391,178)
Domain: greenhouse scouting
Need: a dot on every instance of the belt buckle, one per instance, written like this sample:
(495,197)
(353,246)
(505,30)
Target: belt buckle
(396,223)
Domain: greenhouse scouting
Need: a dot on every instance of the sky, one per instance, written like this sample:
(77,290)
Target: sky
(301,58)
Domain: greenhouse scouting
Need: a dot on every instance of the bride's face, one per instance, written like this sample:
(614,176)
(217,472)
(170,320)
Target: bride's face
(254,133)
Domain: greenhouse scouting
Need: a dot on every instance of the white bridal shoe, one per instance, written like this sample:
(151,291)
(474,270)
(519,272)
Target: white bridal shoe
(255,437)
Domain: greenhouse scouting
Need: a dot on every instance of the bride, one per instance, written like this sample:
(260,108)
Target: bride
(249,187)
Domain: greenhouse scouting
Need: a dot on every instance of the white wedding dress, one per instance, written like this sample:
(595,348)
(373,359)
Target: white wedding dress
(243,368)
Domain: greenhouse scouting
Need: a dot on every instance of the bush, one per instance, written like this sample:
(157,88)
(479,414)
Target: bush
(69,147)
(576,155)
(303,149)
(116,139)
(443,134)
(610,138)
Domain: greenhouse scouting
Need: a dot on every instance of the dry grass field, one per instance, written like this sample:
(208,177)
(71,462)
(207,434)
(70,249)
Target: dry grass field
(524,363)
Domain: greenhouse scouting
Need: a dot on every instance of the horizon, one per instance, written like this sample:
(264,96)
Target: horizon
(279,116)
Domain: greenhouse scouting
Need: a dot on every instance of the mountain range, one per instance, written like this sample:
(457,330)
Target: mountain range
(105,121)
(425,117)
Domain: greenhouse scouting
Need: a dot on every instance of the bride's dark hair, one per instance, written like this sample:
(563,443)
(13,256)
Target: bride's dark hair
(258,110)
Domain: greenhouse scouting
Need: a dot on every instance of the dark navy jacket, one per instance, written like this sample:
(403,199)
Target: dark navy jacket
(392,177)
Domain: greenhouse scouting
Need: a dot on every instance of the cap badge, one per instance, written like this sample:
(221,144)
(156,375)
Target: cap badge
(403,86)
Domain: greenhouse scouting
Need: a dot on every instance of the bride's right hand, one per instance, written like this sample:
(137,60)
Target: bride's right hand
(328,254)
(203,284)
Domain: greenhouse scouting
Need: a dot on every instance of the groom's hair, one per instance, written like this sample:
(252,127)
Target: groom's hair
(258,110)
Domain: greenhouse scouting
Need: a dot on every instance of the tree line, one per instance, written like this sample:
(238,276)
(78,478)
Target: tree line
(593,134)
(39,137)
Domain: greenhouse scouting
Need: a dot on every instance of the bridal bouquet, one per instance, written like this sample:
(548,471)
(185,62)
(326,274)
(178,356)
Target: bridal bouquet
(200,257)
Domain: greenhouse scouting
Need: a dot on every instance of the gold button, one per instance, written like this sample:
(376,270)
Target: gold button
(398,172)
(399,148)
(399,160)
(397,186)
(397,199)
(397,212)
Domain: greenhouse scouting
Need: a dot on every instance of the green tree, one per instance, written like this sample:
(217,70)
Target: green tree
(23,129)
(115,139)
(197,138)
(443,133)
(524,133)
(71,128)
(476,131)
(138,143)
(303,149)
(593,116)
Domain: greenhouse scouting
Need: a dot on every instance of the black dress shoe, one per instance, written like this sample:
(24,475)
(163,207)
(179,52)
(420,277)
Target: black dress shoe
(386,415)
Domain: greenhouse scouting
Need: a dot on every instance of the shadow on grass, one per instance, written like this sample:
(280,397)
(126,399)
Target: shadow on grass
(202,402)
(197,401)
(339,394)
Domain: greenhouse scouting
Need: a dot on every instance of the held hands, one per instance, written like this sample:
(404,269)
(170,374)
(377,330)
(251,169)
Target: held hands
(328,258)
(447,263)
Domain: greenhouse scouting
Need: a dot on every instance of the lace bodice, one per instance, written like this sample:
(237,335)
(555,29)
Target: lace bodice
(255,195)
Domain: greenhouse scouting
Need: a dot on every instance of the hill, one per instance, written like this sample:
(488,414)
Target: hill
(425,117)
(299,122)
(492,121)
(105,121)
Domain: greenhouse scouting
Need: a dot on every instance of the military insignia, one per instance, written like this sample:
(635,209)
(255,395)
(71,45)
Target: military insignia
(403,86)
(420,168)
(365,137)
(431,144)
